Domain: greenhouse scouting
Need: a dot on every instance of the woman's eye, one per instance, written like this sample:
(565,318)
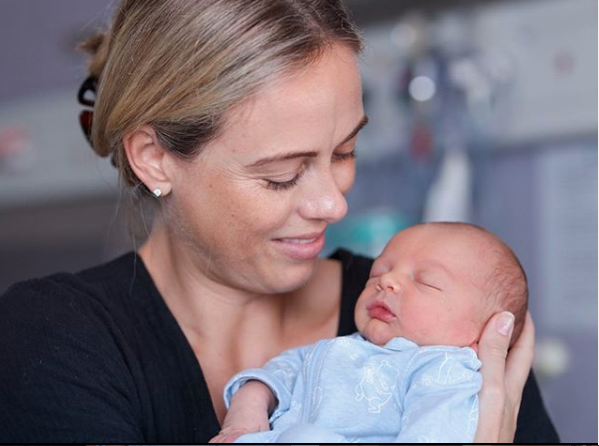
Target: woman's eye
(344,156)
(283,185)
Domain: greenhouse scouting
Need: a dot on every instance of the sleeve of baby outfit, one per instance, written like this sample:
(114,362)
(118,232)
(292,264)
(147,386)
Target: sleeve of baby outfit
(441,400)
(280,374)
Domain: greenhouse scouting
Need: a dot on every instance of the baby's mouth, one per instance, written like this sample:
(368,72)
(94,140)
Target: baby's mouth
(380,310)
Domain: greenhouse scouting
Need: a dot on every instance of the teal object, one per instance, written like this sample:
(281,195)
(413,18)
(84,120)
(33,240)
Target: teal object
(366,233)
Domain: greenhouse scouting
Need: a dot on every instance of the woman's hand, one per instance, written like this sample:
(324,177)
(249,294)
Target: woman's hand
(230,435)
(504,377)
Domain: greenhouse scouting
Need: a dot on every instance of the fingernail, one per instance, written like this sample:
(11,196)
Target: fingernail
(505,323)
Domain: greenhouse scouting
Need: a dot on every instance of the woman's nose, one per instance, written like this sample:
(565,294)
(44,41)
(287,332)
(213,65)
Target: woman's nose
(324,201)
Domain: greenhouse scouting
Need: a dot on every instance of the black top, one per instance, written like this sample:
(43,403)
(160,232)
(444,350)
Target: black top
(97,357)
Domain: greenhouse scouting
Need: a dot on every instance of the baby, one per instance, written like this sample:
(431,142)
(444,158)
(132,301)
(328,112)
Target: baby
(411,373)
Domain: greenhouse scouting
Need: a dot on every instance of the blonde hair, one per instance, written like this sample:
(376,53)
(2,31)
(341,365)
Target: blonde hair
(180,65)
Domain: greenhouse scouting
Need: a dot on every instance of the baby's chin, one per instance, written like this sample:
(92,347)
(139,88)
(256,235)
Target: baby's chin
(378,333)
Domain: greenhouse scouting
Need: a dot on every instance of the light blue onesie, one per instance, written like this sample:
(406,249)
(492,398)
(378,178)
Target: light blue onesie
(348,390)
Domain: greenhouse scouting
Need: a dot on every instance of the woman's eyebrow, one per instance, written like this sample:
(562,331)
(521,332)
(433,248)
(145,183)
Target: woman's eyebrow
(283,157)
(308,154)
(355,131)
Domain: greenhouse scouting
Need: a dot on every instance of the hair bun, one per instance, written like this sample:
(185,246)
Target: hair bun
(96,46)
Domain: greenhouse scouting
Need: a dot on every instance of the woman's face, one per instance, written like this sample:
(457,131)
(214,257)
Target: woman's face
(253,207)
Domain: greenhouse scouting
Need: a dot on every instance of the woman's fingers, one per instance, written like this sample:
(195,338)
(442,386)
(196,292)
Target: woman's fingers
(218,439)
(224,439)
(228,435)
(494,405)
(493,347)
(519,360)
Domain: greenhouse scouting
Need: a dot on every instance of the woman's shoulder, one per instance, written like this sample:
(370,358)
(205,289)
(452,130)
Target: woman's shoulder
(97,311)
(61,293)
(355,267)
(63,343)
(351,259)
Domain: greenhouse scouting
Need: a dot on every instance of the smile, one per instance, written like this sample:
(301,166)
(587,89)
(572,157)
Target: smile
(302,248)
(301,241)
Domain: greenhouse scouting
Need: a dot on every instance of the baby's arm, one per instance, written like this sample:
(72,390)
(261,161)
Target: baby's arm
(441,402)
(248,412)
(257,397)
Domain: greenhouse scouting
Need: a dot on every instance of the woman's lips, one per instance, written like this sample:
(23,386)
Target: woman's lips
(302,248)
(379,310)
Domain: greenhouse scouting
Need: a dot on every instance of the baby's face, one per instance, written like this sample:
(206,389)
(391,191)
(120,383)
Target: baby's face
(425,287)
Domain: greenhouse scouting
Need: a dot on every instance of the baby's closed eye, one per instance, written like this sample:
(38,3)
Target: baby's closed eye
(429,280)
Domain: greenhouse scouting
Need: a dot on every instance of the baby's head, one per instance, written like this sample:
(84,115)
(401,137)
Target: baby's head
(438,284)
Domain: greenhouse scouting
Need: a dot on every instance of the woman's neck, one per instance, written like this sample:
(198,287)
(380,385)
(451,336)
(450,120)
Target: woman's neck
(230,330)
(209,312)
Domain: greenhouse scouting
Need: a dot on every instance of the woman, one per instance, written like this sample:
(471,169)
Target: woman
(240,118)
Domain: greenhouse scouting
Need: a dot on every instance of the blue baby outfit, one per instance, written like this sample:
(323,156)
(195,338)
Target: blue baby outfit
(353,391)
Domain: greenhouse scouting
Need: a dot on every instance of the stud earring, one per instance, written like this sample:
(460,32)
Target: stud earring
(157,193)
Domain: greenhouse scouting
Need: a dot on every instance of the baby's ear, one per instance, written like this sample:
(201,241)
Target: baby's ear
(474,346)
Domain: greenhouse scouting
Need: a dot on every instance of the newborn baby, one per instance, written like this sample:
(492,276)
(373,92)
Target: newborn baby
(410,374)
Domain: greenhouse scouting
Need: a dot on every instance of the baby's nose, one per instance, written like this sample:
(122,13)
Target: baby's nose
(380,287)
(387,283)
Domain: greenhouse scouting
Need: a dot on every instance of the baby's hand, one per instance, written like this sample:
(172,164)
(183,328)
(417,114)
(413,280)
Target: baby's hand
(241,420)
(248,413)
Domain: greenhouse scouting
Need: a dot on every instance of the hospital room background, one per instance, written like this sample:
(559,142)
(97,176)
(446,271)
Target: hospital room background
(480,111)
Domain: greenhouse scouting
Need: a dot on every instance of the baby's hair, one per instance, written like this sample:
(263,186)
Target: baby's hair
(506,285)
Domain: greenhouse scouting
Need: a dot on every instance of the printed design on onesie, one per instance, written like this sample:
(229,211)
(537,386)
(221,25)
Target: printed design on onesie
(377,385)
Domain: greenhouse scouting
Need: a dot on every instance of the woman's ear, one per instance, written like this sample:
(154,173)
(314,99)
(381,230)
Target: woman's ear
(148,159)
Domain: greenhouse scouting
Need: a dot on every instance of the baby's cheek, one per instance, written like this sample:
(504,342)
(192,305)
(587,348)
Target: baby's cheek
(420,334)
(360,312)
(464,333)
(360,316)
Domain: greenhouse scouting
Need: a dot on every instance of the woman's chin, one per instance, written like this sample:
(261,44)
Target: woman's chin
(287,278)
